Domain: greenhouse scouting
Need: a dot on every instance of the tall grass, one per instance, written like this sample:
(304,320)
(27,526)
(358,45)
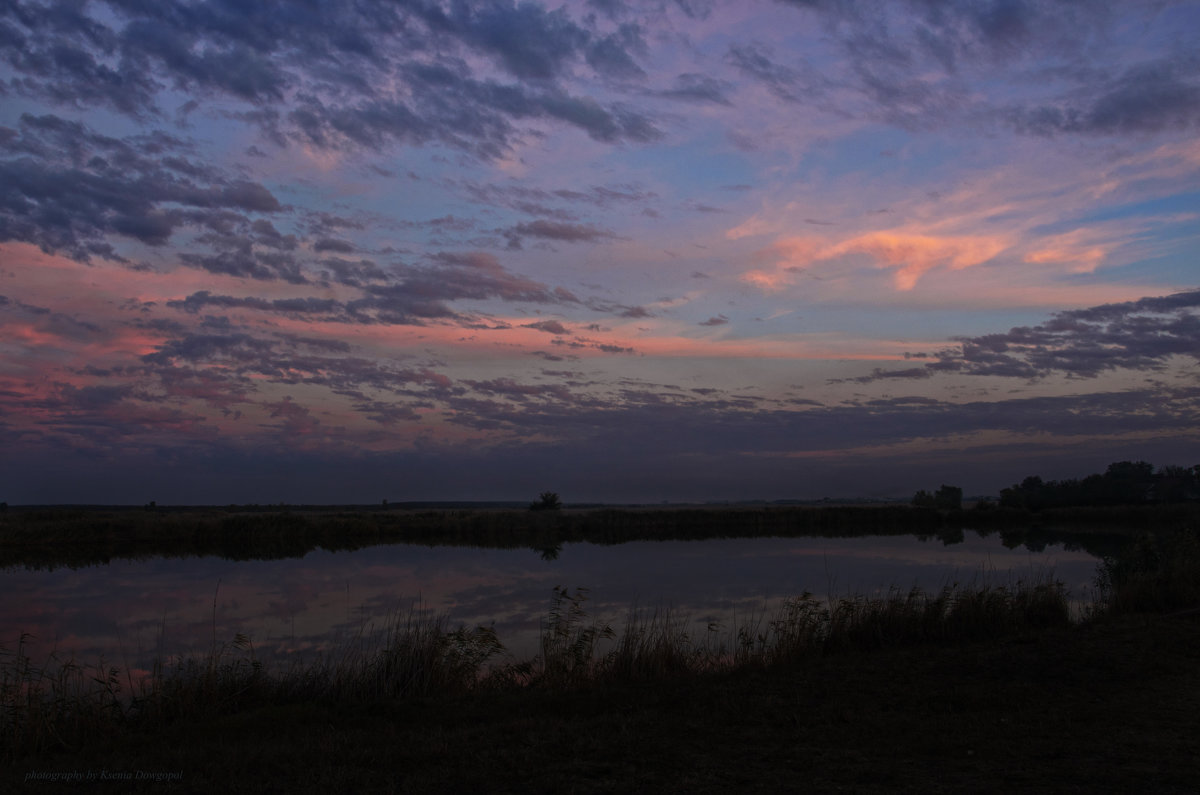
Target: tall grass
(1158,572)
(61,704)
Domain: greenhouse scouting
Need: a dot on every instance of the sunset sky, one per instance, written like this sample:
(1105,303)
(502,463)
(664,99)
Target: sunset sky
(626,251)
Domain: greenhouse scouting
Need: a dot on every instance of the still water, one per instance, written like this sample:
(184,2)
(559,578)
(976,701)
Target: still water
(128,612)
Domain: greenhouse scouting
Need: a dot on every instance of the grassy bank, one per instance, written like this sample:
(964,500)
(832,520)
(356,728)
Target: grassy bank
(1104,708)
(62,704)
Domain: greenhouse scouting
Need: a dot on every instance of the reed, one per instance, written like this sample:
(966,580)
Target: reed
(568,641)
(1159,572)
(657,645)
(955,613)
(61,704)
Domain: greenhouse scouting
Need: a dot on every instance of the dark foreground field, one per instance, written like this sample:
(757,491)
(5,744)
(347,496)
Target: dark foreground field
(1110,706)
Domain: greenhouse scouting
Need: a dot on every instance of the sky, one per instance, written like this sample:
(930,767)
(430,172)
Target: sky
(343,252)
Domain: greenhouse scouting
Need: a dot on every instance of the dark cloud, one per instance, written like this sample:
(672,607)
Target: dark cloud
(327,61)
(59,53)
(719,320)
(295,420)
(696,9)
(405,295)
(1135,335)
(526,41)
(700,207)
(237,256)
(879,374)
(617,309)
(917,61)
(643,418)
(323,224)
(691,87)
(1146,98)
(541,421)
(957,31)
(210,347)
(227,368)
(449,106)
(58,324)
(67,189)
(203,300)
(541,202)
(755,60)
(93,397)
(555,230)
(423,293)
(512,390)
(549,326)
(612,55)
(352,273)
(332,244)
(607,196)
(387,414)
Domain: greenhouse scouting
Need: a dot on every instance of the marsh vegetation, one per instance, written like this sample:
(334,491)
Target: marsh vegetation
(964,645)
(62,702)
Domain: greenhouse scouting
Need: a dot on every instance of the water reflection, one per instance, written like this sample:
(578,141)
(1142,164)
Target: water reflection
(130,611)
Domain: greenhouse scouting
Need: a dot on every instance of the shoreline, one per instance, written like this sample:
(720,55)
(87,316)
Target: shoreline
(73,537)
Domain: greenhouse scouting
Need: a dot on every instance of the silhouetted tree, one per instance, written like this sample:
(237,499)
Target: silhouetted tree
(923,499)
(1177,484)
(1123,483)
(1027,494)
(1129,482)
(547,501)
(948,498)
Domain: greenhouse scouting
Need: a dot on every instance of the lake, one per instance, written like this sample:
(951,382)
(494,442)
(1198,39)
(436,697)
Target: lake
(128,612)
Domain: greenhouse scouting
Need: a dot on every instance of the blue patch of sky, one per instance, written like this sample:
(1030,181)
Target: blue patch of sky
(400,198)
(1165,206)
(697,169)
(880,153)
(1177,269)
(900,323)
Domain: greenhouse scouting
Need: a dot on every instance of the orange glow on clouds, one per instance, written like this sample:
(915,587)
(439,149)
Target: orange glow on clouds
(914,255)
(910,254)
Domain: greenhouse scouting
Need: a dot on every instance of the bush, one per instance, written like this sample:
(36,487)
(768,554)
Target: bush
(547,501)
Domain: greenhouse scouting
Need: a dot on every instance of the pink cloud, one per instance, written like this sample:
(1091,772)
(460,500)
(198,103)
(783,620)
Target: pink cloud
(909,254)
(913,255)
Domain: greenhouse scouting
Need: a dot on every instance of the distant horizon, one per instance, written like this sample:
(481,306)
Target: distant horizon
(461,502)
(976,482)
(628,250)
(517,504)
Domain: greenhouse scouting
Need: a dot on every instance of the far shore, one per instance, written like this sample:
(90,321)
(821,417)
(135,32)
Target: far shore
(49,536)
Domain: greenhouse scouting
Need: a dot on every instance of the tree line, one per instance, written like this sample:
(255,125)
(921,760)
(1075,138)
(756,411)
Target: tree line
(1123,483)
